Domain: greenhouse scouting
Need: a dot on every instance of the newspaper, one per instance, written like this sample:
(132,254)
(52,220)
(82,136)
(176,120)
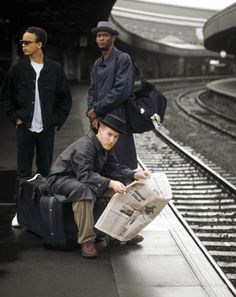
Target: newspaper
(128,213)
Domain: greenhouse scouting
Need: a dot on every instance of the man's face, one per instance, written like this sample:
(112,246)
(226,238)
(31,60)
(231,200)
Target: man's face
(107,137)
(105,40)
(29,44)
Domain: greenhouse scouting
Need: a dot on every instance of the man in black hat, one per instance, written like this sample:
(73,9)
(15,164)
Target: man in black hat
(85,170)
(111,84)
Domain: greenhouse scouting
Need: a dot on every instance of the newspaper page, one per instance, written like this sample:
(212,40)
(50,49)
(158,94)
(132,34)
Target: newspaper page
(128,213)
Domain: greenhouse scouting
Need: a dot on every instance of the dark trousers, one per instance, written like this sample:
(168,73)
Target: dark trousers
(125,151)
(27,143)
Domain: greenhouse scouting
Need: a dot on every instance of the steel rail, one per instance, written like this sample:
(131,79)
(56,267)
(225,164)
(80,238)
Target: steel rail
(199,118)
(205,167)
(214,175)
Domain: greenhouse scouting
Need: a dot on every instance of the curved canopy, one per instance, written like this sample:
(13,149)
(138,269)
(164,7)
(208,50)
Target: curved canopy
(220,31)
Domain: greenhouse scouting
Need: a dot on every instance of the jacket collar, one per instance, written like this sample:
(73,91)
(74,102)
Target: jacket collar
(92,136)
(26,62)
(114,53)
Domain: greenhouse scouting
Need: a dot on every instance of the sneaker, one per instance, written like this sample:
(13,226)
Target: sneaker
(15,223)
(88,249)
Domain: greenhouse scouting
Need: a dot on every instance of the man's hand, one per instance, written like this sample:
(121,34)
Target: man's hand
(95,123)
(117,186)
(19,122)
(142,174)
(91,114)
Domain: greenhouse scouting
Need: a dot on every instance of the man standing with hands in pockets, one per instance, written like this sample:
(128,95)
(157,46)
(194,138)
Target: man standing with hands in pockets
(35,96)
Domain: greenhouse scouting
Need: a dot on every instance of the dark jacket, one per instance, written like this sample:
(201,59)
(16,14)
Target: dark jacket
(111,85)
(91,165)
(18,93)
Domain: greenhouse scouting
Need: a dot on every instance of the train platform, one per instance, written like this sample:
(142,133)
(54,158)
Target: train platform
(167,263)
(224,87)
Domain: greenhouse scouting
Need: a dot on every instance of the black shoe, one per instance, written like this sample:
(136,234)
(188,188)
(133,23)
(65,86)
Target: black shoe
(135,240)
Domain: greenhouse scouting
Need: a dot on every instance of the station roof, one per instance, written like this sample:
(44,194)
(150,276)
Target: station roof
(220,31)
(163,28)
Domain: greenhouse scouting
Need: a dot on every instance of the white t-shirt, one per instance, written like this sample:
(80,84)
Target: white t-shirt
(37,122)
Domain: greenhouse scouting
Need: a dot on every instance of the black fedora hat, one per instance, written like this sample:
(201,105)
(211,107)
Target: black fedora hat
(105,27)
(114,123)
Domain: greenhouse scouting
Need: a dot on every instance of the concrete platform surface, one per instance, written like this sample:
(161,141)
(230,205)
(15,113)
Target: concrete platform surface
(224,86)
(167,263)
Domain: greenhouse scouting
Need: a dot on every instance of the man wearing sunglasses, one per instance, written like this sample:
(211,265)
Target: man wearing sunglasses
(36,97)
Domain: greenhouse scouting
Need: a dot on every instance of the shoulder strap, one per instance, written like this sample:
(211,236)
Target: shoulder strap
(138,71)
(116,58)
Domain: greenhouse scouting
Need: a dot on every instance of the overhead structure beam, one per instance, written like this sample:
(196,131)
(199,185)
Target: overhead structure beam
(58,17)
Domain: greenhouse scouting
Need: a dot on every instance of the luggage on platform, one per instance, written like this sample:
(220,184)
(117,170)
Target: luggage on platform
(49,216)
(27,195)
(59,230)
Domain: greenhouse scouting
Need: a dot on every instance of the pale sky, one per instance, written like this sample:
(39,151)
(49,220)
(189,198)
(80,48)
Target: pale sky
(208,4)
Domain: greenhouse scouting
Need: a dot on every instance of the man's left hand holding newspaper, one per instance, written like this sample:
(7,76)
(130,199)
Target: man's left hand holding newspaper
(118,187)
(129,212)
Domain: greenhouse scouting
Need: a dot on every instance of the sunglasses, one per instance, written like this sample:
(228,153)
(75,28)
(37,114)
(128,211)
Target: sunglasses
(26,42)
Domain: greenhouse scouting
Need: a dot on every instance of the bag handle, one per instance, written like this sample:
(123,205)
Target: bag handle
(138,71)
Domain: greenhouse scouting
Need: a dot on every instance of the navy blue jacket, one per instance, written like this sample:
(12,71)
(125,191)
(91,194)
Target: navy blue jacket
(18,93)
(111,84)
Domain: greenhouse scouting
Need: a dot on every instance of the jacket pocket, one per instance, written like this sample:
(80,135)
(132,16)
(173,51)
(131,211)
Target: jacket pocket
(22,92)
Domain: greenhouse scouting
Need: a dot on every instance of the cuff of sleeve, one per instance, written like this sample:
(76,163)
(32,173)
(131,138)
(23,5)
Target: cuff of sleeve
(101,187)
(97,111)
(13,118)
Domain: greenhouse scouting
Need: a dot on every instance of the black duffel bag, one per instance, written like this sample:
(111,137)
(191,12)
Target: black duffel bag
(145,107)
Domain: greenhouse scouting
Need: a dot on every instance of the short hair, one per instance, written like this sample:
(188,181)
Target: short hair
(41,35)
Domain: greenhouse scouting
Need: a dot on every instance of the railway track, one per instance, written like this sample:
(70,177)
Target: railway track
(204,199)
(191,104)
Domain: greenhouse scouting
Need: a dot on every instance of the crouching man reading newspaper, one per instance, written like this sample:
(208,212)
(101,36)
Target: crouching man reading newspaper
(128,213)
(85,171)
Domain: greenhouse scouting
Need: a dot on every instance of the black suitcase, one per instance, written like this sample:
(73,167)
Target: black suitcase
(59,230)
(45,215)
(49,216)
(27,195)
